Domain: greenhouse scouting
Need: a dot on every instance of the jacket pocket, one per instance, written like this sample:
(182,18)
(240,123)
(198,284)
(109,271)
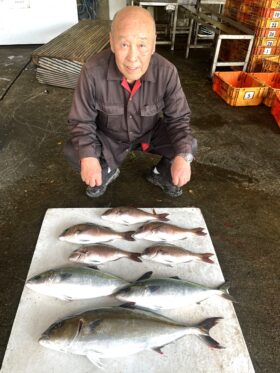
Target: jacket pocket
(152,110)
(110,116)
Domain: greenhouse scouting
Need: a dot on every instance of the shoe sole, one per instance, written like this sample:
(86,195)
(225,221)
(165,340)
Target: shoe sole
(103,190)
(157,183)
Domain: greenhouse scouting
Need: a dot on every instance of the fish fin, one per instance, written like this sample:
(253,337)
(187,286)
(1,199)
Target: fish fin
(205,257)
(127,305)
(94,324)
(176,277)
(205,327)
(128,236)
(163,217)
(135,257)
(66,298)
(211,342)
(153,288)
(92,356)
(158,350)
(229,297)
(198,231)
(145,276)
(93,267)
(224,288)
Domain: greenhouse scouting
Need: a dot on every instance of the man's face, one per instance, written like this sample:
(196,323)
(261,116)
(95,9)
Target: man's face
(132,41)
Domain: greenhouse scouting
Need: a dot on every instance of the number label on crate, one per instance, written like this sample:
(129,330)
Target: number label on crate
(267,51)
(271,34)
(269,43)
(273,25)
(249,95)
(276,14)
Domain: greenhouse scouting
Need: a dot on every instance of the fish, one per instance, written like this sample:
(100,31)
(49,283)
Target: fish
(100,253)
(171,255)
(132,215)
(116,332)
(167,293)
(156,231)
(88,233)
(72,283)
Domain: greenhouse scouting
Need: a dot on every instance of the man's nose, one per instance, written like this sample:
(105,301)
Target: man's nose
(132,53)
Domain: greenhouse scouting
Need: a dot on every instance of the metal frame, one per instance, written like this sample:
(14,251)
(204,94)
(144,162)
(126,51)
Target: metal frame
(173,20)
(229,30)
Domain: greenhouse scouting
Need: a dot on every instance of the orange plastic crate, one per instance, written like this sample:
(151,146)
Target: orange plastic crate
(266,51)
(271,64)
(264,3)
(275,110)
(238,88)
(266,42)
(268,23)
(272,81)
(268,32)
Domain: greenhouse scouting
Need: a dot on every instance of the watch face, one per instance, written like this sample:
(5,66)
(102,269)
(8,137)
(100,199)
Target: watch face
(189,157)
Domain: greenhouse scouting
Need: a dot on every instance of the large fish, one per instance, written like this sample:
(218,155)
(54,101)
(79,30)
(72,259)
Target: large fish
(88,233)
(131,215)
(100,253)
(172,255)
(167,293)
(165,232)
(114,332)
(70,283)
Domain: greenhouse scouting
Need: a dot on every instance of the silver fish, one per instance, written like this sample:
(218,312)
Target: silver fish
(165,232)
(70,283)
(172,255)
(88,233)
(167,293)
(132,215)
(114,332)
(100,253)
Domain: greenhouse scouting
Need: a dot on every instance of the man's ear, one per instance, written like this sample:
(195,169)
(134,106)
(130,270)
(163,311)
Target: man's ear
(111,43)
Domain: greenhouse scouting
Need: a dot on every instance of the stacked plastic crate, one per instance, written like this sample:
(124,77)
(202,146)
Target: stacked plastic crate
(262,16)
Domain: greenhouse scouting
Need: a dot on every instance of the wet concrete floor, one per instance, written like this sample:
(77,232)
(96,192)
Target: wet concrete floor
(235,183)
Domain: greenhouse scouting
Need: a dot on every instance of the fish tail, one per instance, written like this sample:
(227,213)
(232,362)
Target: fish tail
(198,231)
(128,236)
(135,256)
(206,258)
(225,294)
(162,217)
(205,327)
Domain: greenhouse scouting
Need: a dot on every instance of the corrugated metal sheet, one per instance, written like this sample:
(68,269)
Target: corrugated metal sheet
(60,61)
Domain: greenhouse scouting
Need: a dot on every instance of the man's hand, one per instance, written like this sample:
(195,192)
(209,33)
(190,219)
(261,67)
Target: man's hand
(91,172)
(180,171)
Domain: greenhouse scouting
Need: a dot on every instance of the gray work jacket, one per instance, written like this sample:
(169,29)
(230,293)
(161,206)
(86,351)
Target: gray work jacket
(105,118)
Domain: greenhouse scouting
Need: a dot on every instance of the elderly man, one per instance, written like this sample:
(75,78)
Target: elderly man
(130,98)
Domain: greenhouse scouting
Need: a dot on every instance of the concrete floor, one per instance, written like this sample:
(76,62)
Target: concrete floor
(235,183)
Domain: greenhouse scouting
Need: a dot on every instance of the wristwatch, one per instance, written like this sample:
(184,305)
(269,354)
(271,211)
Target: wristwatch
(187,157)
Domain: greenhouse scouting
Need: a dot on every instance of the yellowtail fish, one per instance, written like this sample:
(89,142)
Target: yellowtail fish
(116,332)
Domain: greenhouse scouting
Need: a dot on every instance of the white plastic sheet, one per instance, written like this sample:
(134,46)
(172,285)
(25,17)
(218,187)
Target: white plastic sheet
(189,354)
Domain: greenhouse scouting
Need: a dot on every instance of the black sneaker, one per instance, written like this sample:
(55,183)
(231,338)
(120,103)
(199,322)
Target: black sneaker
(107,178)
(169,188)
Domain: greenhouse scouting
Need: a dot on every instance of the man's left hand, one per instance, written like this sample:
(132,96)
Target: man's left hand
(180,171)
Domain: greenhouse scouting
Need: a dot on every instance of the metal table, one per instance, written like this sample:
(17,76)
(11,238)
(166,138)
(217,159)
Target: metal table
(224,28)
(169,5)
